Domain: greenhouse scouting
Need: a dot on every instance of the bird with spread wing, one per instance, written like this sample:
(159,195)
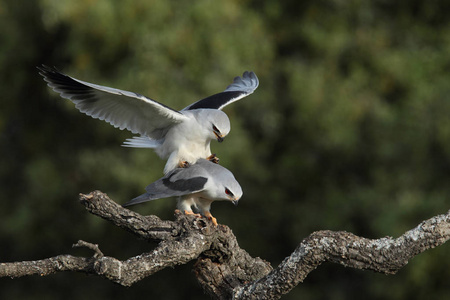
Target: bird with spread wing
(181,137)
(196,187)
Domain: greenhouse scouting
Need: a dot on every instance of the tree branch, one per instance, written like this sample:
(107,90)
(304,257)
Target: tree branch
(385,255)
(44,267)
(224,269)
(147,227)
(167,254)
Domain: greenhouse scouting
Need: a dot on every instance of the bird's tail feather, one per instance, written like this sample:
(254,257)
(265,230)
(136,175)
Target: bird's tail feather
(141,142)
(139,199)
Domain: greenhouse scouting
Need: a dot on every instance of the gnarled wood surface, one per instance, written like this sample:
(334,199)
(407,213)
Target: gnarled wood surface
(224,270)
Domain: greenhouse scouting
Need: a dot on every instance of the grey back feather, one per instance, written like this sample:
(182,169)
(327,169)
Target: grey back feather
(185,181)
(178,182)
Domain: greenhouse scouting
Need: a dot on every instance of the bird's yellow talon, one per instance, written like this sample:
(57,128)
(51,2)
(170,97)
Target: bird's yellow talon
(213,158)
(210,217)
(190,212)
(183,164)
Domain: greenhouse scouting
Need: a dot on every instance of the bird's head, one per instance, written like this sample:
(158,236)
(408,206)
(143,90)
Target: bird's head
(231,190)
(216,123)
(234,196)
(221,184)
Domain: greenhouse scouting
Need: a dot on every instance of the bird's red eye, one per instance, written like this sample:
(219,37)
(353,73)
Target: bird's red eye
(228,192)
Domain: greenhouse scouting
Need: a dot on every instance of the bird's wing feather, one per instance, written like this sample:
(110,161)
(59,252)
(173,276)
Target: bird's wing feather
(142,142)
(122,109)
(179,182)
(240,88)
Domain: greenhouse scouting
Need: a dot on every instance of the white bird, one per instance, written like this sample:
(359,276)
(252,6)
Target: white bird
(181,137)
(197,186)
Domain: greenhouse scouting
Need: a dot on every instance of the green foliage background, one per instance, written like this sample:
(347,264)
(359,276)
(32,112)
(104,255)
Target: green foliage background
(349,130)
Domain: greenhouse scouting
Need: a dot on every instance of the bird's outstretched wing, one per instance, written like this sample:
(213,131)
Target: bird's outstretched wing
(240,88)
(179,182)
(122,109)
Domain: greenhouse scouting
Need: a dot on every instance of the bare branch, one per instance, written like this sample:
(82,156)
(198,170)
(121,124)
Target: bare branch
(44,267)
(93,247)
(167,254)
(223,269)
(147,227)
(385,255)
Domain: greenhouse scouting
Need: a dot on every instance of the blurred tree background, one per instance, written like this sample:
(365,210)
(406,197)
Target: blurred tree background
(349,130)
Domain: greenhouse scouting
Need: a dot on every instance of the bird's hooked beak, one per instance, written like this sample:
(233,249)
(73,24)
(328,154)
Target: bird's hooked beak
(235,202)
(219,137)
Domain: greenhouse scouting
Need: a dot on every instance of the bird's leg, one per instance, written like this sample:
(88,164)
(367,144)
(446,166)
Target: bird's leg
(213,158)
(210,217)
(183,164)
(190,212)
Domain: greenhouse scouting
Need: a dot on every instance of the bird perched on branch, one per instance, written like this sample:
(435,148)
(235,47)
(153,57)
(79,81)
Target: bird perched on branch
(181,137)
(197,186)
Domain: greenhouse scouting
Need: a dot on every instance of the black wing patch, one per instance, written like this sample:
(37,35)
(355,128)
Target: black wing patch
(75,90)
(217,101)
(64,83)
(184,185)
